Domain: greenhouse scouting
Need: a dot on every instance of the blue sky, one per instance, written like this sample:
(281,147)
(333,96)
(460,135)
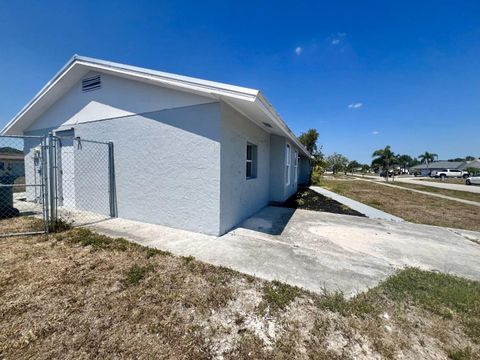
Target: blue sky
(363,73)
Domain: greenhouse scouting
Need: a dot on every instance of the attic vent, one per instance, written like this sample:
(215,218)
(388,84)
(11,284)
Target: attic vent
(91,83)
(267,124)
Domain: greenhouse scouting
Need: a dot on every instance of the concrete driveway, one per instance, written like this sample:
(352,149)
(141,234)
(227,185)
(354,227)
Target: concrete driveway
(316,250)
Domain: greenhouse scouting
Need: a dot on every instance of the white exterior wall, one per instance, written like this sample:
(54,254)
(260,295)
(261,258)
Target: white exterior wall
(241,197)
(180,159)
(116,97)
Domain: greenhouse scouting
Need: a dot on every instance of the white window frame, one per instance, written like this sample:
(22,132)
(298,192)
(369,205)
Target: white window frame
(288,162)
(252,161)
(295,166)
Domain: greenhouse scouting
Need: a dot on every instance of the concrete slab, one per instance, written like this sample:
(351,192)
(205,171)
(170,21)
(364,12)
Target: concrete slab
(368,211)
(316,250)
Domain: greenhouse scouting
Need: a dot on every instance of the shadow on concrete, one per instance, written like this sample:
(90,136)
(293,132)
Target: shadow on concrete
(270,220)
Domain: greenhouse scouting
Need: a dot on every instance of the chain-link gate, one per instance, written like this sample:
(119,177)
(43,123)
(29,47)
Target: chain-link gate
(84,190)
(58,179)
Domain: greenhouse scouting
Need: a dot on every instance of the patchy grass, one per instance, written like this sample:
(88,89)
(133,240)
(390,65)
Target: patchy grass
(21,224)
(79,294)
(446,181)
(414,207)
(278,295)
(136,273)
(453,193)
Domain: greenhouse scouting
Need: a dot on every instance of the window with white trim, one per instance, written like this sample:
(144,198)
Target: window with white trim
(295,167)
(251,163)
(288,159)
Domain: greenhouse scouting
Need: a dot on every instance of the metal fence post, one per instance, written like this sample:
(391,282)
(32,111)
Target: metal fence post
(51,181)
(111,181)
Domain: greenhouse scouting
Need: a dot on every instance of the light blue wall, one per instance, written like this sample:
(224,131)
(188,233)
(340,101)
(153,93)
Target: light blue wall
(304,171)
(241,197)
(182,167)
(167,166)
(277,168)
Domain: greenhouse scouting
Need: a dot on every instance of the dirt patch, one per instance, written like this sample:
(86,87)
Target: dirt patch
(82,295)
(308,199)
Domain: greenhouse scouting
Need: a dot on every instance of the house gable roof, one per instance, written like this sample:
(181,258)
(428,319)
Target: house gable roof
(440,164)
(249,102)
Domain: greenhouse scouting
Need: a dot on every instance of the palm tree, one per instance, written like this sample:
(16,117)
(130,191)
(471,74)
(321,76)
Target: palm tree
(384,157)
(427,158)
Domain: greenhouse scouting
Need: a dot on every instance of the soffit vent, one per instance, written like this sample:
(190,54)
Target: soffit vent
(91,83)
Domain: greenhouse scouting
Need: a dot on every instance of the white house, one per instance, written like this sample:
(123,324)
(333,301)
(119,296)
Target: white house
(189,153)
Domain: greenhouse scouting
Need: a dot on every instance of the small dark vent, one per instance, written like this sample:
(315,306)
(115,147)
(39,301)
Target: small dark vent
(267,124)
(91,83)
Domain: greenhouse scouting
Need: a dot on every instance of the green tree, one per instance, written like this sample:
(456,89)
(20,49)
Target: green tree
(405,161)
(352,165)
(309,140)
(365,168)
(427,157)
(336,162)
(384,158)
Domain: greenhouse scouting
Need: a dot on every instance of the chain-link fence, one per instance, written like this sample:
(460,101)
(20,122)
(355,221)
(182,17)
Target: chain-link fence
(23,180)
(53,180)
(84,184)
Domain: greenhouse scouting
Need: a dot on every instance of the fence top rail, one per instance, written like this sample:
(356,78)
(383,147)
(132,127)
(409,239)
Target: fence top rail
(23,136)
(80,139)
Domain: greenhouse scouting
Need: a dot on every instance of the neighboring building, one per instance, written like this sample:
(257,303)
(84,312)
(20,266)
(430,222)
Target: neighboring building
(189,153)
(470,164)
(441,165)
(11,162)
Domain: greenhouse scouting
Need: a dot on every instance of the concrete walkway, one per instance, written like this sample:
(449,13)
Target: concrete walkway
(316,250)
(368,211)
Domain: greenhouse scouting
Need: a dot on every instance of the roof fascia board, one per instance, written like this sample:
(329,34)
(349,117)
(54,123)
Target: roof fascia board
(173,80)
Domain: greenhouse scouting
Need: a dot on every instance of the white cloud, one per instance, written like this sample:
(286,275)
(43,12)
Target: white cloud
(355,105)
(337,38)
(375,132)
(298,50)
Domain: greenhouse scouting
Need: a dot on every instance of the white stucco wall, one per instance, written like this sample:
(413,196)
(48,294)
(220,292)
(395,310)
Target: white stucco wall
(167,166)
(116,97)
(241,197)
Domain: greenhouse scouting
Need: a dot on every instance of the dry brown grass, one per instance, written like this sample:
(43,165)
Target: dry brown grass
(20,224)
(453,193)
(446,181)
(411,206)
(80,295)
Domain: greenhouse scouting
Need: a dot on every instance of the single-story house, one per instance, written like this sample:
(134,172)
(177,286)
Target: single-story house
(425,169)
(470,164)
(11,162)
(189,153)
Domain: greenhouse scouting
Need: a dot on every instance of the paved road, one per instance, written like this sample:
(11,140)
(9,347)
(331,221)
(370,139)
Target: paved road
(316,250)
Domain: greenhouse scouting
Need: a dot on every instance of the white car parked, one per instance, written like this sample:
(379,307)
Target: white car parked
(473,180)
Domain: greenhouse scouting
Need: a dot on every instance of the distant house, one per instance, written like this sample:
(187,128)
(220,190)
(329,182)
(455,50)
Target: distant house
(189,153)
(11,162)
(471,164)
(425,169)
